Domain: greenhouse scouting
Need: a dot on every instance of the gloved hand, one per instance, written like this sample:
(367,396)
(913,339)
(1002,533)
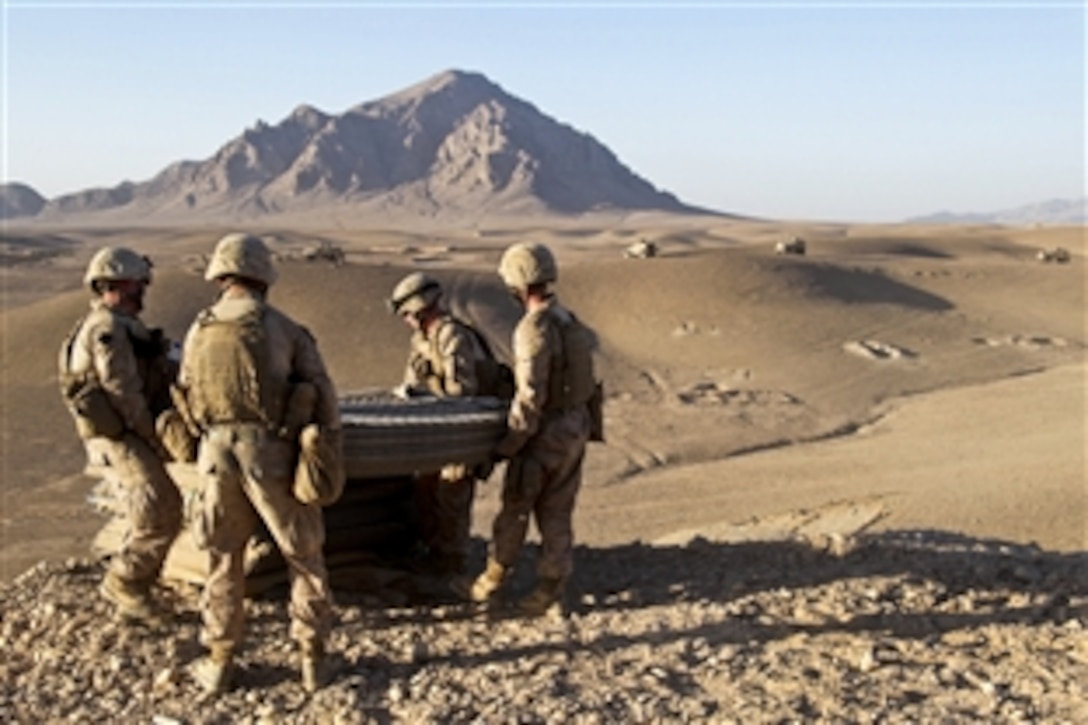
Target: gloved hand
(453,472)
(403,391)
(421,367)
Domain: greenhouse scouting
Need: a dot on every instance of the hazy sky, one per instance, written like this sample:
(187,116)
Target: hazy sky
(850,111)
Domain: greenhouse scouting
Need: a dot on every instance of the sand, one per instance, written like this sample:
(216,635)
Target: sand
(845,486)
(937,373)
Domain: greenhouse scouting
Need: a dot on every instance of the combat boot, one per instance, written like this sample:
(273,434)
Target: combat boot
(314,667)
(133,602)
(213,672)
(547,594)
(487,584)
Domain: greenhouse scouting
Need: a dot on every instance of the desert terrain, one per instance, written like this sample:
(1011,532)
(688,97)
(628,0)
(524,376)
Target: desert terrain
(849,485)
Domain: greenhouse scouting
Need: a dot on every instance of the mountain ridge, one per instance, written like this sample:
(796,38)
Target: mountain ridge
(1051,211)
(454,146)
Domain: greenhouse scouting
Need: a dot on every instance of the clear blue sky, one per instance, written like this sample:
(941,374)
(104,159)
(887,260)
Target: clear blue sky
(853,111)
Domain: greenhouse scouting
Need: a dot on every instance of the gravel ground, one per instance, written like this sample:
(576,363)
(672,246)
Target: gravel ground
(899,627)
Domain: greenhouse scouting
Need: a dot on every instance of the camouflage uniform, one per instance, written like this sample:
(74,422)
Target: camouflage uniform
(546,445)
(445,363)
(130,364)
(248,472)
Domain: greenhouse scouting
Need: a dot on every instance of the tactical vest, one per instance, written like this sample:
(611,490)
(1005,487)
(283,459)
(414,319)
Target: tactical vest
(229,374)
(493,378)
(571,380)
(88,402)
(84,396)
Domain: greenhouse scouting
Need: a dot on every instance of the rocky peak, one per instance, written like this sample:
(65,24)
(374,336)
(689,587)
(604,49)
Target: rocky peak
(19,200)
(453,145)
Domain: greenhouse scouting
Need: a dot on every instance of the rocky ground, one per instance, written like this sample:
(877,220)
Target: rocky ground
(897,627)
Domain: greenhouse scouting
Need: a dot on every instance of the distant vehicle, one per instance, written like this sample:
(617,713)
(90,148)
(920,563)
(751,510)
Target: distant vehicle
(323,251)
(793,246)
(1058,255)
(641,250)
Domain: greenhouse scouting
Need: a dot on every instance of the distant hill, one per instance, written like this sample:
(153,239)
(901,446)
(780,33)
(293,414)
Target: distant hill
(1055,211)
(19,200)
(455,146)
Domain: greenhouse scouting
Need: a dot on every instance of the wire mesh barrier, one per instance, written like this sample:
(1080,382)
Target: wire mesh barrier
(371,532)
(384,436)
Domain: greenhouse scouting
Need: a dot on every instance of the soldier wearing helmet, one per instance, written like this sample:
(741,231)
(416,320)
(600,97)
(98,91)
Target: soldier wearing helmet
(548,425)
(447,358)
(243,363)
(115,375)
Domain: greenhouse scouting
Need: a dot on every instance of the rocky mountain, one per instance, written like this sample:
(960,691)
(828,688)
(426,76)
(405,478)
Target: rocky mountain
(19,200)
(1054,211)
(454,146)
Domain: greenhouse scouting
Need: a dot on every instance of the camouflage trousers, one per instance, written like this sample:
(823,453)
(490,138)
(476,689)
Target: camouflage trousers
(543,480)
(247,475)
(444,505)
(152,501)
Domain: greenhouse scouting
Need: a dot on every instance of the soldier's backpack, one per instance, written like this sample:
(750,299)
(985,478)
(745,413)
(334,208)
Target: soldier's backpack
(495,377)
(572,381)
(229,380)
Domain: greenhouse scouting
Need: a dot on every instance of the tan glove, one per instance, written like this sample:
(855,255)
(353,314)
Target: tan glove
(452,472)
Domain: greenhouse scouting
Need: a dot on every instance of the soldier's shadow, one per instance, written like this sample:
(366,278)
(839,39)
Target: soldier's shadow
(638,576)
(964,583)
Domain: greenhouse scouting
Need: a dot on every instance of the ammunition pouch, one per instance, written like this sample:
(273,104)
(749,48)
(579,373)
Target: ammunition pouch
(174,434)
(319,475)
(90,407)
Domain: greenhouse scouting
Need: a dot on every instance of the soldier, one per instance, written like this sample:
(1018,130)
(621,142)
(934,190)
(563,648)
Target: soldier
(448,358)
(115,375)
(549,423)
(243,360)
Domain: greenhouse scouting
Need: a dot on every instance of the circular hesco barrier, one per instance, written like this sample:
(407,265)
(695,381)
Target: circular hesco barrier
(388,436)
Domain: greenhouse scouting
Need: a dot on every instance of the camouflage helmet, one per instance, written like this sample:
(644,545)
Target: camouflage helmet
(415,293)
(110,264)
(243,255)
(524,264)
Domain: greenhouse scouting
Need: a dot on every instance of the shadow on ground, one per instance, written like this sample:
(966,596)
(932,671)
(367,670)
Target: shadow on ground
(915,582)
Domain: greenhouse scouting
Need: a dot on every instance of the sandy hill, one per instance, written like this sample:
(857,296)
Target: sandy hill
(715,348)
(847,486)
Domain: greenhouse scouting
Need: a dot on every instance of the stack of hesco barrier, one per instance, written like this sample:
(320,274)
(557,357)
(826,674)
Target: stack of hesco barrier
(372,529)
